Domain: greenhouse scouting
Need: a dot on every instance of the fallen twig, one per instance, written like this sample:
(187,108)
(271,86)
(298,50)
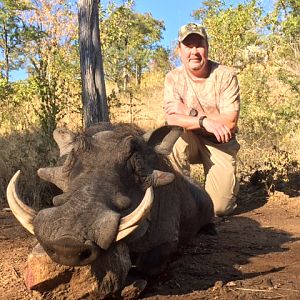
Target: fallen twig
(270,290)
(254,290)
(288,290)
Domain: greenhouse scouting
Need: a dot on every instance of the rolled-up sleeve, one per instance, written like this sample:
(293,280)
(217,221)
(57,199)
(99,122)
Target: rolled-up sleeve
(170,91)
(230,95)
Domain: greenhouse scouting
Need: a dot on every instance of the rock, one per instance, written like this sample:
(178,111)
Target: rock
(106,276)
(133,290)
(231,284)
(40,270)
(218,285)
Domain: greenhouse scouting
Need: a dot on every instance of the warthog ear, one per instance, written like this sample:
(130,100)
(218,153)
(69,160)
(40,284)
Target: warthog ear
(55,175)
(162,178)
(163,138)
(64,139)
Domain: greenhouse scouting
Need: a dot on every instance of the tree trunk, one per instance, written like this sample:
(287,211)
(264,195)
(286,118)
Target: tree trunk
(93,85)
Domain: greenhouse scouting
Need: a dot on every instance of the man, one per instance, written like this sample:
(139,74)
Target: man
(203,97)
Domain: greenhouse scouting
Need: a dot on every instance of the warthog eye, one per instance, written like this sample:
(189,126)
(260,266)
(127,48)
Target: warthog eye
(85,254)
(140,166)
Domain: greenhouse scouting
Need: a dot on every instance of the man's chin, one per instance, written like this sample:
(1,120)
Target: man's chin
(196,67)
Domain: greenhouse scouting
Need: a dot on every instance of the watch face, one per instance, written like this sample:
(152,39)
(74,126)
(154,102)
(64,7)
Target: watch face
(193,112)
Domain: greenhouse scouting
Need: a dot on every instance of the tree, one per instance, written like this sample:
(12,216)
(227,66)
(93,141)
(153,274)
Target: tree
(160,60)
(129,40)
(12,34)
(51,58)
(93,86)
(284,42)
(53,62)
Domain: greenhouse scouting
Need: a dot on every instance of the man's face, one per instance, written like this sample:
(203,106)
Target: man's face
(193,51)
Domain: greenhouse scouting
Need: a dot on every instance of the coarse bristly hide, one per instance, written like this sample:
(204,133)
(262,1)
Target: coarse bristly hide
(118,186)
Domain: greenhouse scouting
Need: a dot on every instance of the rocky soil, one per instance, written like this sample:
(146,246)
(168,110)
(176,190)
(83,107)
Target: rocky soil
(255,255)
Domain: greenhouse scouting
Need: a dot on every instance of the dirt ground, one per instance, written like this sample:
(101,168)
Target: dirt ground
(255,255)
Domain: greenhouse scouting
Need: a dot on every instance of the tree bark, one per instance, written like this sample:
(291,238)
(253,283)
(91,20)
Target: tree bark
(94,100)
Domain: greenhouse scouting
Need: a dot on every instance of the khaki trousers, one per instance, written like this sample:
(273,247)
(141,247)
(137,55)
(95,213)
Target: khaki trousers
(219,162)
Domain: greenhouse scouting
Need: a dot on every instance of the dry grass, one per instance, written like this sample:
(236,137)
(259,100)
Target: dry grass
(26,151)
(144,107)
(24,147)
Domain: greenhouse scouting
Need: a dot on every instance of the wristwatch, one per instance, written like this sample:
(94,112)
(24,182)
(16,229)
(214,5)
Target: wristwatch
(201,121)
(193,112)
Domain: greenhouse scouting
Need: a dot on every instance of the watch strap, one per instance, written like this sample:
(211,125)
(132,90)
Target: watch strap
(201,119)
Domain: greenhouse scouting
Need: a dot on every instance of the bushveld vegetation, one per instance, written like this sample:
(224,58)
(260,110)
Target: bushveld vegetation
(40,36)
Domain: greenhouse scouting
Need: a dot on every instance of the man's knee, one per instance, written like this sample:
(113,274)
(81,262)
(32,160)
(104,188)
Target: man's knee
(224,197)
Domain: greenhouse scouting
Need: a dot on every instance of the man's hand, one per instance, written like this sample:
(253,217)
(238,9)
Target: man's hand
(218,129)
(176,107)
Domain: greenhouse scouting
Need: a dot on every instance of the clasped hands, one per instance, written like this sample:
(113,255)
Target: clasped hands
(212,124)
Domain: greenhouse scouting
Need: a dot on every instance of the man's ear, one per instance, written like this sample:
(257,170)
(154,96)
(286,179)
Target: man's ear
(163,139)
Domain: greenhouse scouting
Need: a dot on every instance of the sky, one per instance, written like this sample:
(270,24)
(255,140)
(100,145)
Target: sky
(174,13)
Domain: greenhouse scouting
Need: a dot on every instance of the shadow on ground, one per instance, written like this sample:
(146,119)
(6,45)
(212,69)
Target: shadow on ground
(254,192)
(220,258)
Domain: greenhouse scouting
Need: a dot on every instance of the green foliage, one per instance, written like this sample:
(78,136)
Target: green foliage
(53,61)
(274,168)
(128,42)
(5,89)
(284,42)
(231,29)
(12,35)
(265,51)
(160,60)
(261,116)
(267,125)
(255,112)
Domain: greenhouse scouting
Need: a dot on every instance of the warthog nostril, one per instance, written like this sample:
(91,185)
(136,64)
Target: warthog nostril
(68,251)
(49,250)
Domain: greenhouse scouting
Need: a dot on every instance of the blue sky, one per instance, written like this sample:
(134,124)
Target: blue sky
(174,13)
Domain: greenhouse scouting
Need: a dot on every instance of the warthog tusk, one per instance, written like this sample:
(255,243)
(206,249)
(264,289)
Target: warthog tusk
(25,215)
(129,223)
(21,211)
(123,233)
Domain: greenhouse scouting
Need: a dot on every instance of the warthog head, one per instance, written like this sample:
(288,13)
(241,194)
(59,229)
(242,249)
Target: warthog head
(107,181)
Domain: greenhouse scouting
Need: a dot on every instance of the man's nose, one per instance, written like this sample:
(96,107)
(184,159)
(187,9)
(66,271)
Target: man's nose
(194,50)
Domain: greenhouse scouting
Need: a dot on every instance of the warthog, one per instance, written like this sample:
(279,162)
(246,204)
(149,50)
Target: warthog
(118,186)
